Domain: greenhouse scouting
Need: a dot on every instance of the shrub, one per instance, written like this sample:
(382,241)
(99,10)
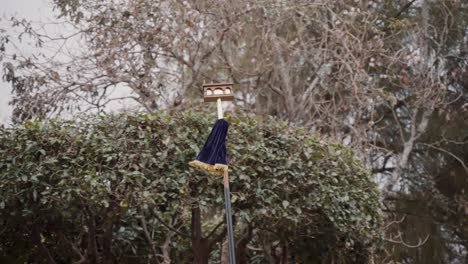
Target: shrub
(117,188)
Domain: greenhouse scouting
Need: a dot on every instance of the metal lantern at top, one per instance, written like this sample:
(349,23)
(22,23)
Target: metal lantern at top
(214,91)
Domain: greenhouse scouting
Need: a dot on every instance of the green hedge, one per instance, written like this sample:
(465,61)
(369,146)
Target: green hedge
(85,188)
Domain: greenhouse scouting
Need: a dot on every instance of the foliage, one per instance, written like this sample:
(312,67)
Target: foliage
(388,78)
(117,188)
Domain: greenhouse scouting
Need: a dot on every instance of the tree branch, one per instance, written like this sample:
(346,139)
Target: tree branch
(404,8)
(170,227)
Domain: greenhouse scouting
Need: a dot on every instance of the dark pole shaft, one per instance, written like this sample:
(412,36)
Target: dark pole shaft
(227,199)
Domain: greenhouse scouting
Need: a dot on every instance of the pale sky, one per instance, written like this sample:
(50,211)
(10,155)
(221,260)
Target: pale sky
(41,12)
(36,10)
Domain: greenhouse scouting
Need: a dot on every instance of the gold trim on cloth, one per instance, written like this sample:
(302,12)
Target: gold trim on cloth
(217,169)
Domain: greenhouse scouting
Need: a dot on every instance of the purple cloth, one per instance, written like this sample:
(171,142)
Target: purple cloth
(214,150)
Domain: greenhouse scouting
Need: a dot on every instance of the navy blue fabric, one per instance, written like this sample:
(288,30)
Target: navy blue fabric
(214,150)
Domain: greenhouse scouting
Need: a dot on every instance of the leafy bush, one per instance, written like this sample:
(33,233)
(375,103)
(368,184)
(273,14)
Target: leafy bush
(117,188)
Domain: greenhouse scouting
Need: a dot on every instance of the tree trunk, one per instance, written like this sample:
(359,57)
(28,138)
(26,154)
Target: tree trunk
(92,252)
(285,254)
(201,246)
(200,253)
(200,249)
(107,237)
(224,252)
(241,250)
(42,250)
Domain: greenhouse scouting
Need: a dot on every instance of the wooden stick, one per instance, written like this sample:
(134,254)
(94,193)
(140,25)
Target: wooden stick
(220,108)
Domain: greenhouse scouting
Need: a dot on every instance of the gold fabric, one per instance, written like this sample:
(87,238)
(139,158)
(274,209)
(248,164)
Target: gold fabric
(216,169)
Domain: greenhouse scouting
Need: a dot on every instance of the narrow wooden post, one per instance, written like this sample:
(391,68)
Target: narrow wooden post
(220,108)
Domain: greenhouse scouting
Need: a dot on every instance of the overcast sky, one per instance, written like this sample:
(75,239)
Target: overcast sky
(41,12)
(36,10)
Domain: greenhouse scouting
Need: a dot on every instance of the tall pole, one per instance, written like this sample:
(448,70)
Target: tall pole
(227,200)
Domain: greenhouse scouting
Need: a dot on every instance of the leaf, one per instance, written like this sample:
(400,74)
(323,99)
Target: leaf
(123,204)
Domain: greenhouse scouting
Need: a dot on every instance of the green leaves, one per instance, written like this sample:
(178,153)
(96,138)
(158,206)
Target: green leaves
(117,166)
